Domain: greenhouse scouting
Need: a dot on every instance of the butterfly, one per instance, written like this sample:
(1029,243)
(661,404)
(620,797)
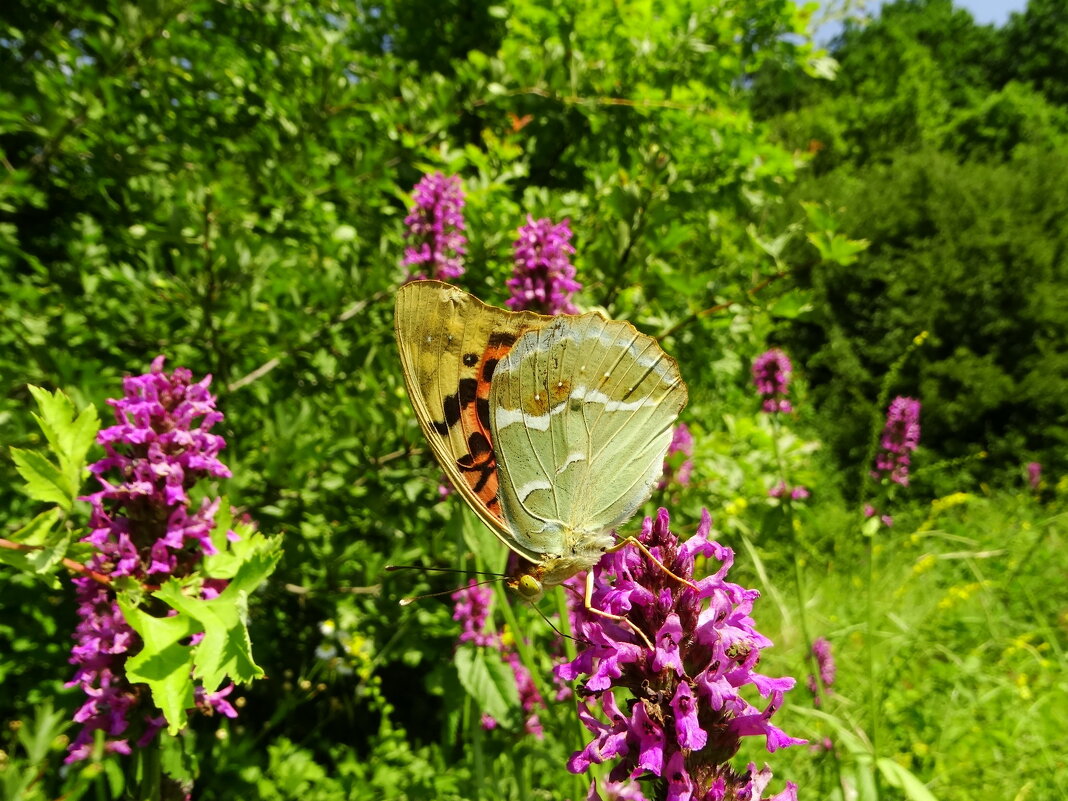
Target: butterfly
(552,428)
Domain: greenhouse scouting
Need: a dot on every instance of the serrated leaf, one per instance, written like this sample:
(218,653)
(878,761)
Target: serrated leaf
(493,688)
(44,481)
(37,739)
(232,555)
(51,552)
(223,520)
(225,649)
(164,664)
(70,436)
(56,412)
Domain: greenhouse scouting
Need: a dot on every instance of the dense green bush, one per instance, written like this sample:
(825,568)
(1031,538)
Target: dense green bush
(225,183)
(940,145)
(970,254)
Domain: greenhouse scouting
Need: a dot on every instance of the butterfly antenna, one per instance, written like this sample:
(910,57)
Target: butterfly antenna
(554,628)
(392,568)
(414,598)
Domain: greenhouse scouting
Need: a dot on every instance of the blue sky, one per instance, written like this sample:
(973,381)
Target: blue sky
(985,12)
(992,11)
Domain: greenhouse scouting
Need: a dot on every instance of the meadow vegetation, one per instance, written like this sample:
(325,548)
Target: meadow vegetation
(227,184)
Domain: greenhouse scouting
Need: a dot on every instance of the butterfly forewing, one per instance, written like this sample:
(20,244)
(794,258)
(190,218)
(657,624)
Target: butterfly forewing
(450,343)
(581,412)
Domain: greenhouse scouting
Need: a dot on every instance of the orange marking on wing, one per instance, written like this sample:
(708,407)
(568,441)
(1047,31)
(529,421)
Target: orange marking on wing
(479,465)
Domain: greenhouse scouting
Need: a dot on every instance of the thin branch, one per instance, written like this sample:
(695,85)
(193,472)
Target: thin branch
(273,362)
(751,292)
(70,564)
(578,100)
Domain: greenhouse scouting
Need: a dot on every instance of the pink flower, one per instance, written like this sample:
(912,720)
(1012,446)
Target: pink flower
(544,277)
(687,713)
(434,228)
(901,435)
(144,528)
(771,376)
(678,464)
(1034,474)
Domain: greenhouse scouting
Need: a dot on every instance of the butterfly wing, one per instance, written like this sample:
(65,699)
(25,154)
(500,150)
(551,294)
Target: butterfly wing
(582,412)
(450,343)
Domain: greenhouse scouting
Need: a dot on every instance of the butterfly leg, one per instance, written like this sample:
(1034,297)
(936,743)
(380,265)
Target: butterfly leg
(588,603)
(641,547)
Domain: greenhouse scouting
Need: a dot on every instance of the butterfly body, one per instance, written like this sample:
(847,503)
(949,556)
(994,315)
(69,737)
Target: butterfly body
(553,429)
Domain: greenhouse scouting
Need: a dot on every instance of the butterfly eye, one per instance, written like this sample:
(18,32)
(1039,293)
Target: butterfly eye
(529,587)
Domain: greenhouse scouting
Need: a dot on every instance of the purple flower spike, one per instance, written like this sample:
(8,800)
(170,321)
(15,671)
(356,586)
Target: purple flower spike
(472,610)
(435,225)
(821,650)
(544,277)
(144,527)
(1034,474)
(687,713)
(901,435)
(771,376)
(678,464)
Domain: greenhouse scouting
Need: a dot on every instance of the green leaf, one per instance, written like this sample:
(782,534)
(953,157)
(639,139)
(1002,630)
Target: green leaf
(792,305)
(224,519)
(20,560)
(37,531)
(899,776)
(488,681)
(37,738)
(178,758)
(164,664)
(51,552)
(44,481)
(69,436)
(226,649)
(477,536)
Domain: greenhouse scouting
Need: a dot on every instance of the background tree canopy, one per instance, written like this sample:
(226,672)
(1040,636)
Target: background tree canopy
(225,183)
(942,143)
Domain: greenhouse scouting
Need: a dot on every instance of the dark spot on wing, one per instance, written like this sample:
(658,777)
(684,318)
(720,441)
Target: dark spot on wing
(467,391)
(488,368)
(499,338)
(488,472)
(451,410)
(482,409)
(478,444)
(470,359)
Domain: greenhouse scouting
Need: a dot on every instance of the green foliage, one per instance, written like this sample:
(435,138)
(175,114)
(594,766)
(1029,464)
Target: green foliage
(970,658)
(168,665)
(225,183)
(970,254)
(942,145)
(40,545)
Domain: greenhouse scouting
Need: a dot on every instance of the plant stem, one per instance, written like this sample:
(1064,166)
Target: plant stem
(799,585)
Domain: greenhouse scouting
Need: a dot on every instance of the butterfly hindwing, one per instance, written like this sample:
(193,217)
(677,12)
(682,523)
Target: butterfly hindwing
(582,412)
